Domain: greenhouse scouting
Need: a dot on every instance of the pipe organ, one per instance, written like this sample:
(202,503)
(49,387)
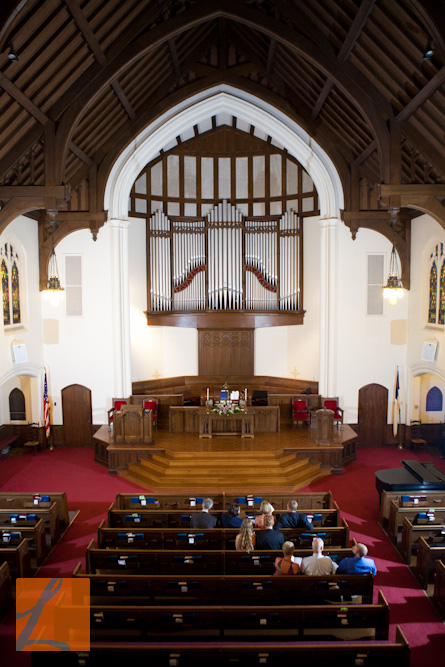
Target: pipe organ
(225,261)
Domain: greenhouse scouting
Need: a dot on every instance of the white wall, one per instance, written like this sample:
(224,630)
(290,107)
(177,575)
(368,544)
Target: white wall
(425,233)
(23,236)
(284,351)
(78,350)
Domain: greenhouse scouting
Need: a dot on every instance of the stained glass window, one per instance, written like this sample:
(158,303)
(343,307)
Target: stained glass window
(434,400)
(15,294)
(10,268)
(441,318)
(433,294)
(5,293)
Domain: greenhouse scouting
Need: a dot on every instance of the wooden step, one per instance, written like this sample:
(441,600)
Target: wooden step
(223,470)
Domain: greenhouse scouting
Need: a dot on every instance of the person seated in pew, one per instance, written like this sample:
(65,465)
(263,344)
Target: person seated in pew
(318,564)
(269,538)
(232,519)
(203,519)
(266,509)
(287,564)
(358,564)
(245,540)
(292,518)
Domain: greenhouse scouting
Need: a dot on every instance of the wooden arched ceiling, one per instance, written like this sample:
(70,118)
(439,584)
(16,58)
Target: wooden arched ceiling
(91,74)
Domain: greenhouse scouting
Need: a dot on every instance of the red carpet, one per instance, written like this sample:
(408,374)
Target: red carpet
(91,490)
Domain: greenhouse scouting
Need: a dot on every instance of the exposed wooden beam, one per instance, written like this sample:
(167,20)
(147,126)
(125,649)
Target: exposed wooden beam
(371,103)
(80,154)
(271,56)
(174,57)
(24,101)
(431,13)
(423,146)
(21,191)
(422,96)
(413,189)
(116,86)
(86,31)
(358,23)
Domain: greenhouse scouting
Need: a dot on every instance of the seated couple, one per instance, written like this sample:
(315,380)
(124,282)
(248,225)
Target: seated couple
(289,519)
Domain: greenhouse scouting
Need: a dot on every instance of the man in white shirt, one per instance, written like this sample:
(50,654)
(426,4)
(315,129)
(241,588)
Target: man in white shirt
(317,564)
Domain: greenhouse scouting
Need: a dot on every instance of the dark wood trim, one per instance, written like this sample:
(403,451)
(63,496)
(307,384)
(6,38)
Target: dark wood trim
(224,319)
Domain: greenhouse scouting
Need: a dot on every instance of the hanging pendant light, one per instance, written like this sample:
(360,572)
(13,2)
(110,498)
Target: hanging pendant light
(54,290)
(393,290)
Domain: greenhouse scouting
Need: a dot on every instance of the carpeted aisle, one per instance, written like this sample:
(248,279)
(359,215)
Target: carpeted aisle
(91,491)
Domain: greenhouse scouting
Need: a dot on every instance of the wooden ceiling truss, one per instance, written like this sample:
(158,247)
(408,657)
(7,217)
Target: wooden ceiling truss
(92,74)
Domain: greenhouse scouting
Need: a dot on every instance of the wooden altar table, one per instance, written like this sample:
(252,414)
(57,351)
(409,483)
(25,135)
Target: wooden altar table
(213,423)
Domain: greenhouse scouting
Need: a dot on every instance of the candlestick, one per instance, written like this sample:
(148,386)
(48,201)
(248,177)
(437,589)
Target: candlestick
(207,393)
(245,393)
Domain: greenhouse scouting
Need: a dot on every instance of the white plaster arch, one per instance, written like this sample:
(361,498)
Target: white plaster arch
(32,370)
(204,105)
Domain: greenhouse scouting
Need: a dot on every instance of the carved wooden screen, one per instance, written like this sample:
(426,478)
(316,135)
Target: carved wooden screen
(225,261)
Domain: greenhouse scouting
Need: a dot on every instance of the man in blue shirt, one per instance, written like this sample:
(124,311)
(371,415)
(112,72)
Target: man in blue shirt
(358,564)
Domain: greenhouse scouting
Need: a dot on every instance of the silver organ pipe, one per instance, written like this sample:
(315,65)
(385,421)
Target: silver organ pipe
(185,268)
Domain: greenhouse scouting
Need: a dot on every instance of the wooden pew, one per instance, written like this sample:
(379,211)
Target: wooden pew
(413,499)
(23,517)
(196,561)
(438,598)
(18,559)
(237,623)
(135,587)
(397,514)
(181,518)
(23,500)
(427,556)
(34,534)
(306,501)
(5,589)
(194,538)
(199,654)
(411,534)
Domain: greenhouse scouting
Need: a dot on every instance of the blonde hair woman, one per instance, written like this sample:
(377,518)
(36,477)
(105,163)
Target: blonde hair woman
(266,508)
(245,540)
(286,565)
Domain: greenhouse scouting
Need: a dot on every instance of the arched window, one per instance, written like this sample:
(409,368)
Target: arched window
(442,295)
(17,410)
(433,294)
(10,266)
(434,400)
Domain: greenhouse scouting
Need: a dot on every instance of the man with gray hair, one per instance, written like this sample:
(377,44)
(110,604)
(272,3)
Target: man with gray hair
(358,564)
(317,564)
(203,519)
(293,519)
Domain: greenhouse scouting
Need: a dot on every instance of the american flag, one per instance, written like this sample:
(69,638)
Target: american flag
(46,407)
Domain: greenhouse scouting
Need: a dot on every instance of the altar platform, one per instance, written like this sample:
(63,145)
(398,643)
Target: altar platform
(292,443)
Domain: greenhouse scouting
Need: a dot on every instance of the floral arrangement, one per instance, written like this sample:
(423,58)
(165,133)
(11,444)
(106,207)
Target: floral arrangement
(226,409)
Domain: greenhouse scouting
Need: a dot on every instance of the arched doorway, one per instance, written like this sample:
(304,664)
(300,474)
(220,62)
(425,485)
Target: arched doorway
(77,415)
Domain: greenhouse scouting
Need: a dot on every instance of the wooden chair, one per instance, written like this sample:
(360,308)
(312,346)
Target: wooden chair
(300,411)
(33,441)
(332,404)
(416,435)
(117,404)
(151,404)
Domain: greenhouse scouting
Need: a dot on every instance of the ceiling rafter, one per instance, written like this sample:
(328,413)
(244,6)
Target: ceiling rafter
(90,38)
(371,103)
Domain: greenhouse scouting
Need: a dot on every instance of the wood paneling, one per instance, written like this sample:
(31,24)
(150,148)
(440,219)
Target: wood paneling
(226,352)
(372,415)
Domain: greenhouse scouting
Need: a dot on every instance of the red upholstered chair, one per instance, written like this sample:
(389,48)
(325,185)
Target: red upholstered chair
(151,404)
(332,404)
(300,411)
(117,404)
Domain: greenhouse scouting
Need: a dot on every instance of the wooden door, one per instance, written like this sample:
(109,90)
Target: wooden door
(372,415)
(77,415)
